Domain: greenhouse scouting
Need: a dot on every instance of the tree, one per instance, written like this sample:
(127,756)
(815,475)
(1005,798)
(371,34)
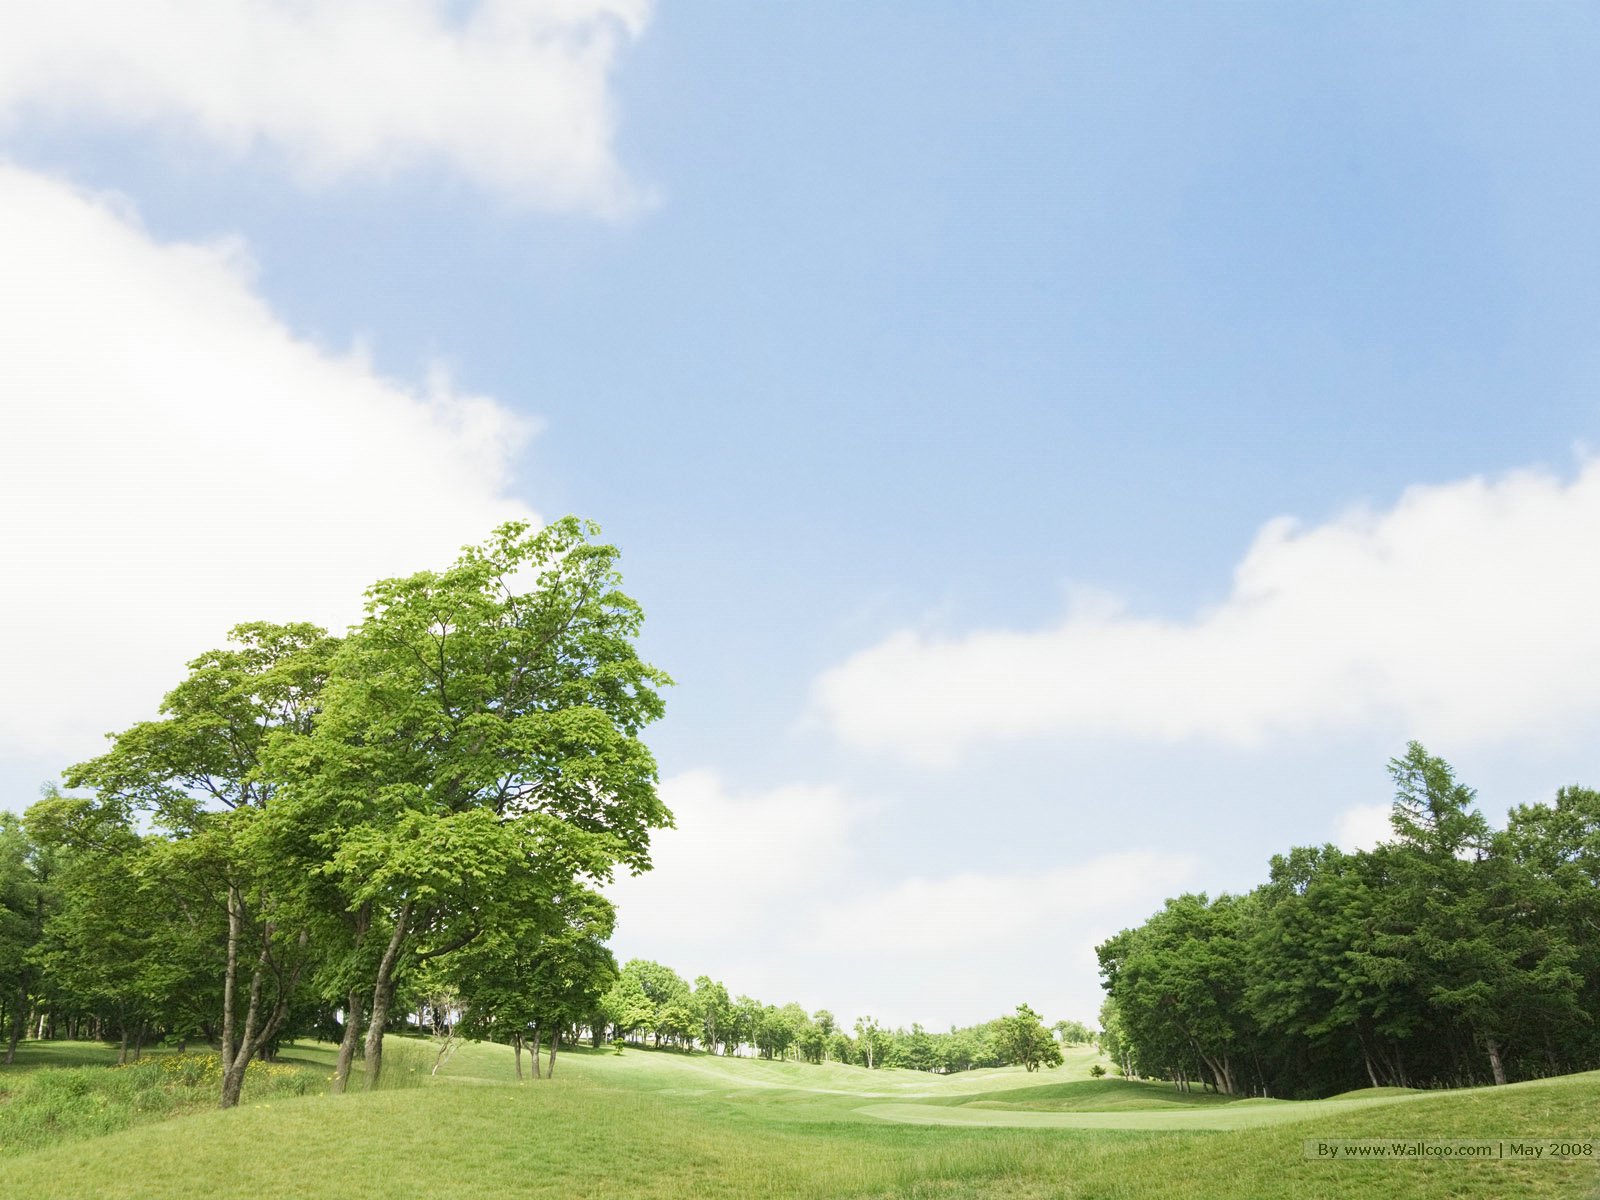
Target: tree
(1458,916)
(1431,811)
(1178,981)
(747,1012)
(115,946)
(523,981)
(26,897)
(1557,849)
(483,721)
(1073,1033)
(713,1013)
(871,1041)
(198,772)
(1025,1041)
(671,1008)
(627,1007)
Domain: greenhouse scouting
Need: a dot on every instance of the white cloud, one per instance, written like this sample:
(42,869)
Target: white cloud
(770,892)
(173,460)
(978,911)
(515,96)
(1363,827)
(731,858)
(1466,610)
(962,948)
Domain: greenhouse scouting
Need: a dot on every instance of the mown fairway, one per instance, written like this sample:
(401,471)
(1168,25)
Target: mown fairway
(672,1125)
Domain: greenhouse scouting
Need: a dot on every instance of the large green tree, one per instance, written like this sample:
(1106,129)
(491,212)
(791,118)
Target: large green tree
(483,721)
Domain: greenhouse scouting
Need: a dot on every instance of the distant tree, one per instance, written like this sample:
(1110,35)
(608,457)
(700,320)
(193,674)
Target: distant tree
(713,1013)
(841,1048)
(747,1011)
(670,1003)
(1113,1039)
(776,1029)
(627,1007)
(1073,1033)
(871,1041)
(522,982)
(919,1051)
(1026,1042)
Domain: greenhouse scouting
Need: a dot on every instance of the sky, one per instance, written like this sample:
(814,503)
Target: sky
(1064,450)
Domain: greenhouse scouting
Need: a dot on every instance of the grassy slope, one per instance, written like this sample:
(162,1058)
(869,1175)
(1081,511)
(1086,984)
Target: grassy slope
(61,1091)
(667,1125)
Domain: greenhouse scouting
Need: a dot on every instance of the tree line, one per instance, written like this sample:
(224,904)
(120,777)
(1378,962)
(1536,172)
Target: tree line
(318,832)
(1452,954)
(650,1001)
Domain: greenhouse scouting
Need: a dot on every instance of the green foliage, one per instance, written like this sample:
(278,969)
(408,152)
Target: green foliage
(713,1012)
(1448,955)
(477,755)
(1073,1033)
(1024,1041)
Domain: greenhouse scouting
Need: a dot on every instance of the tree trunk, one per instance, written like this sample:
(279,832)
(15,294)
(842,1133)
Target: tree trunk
(19,1017)
(235,920)
(516,1049)
(347,1044)
(233,1069)
(259,1032)
(555,1043)
(538,1040)
(122,1048)
(382,993)
(1494,1061)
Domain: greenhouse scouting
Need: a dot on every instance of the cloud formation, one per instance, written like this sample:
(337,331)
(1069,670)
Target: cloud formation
(1466,610)
(986,912)
(752,883)
(1364,826)
(174,460)
(514,95)
(732,858)
(959,948)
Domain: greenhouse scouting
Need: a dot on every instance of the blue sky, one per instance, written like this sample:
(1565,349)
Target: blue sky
(943,372)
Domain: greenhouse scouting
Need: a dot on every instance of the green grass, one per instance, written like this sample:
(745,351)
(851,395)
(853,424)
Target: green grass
(1091,1095)
(669,1125)
(67,1091)
(33,1055)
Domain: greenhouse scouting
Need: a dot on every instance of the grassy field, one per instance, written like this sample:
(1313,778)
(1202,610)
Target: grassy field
(664,1124)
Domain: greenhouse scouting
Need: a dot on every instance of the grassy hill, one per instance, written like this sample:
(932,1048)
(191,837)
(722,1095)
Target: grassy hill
(662,1124)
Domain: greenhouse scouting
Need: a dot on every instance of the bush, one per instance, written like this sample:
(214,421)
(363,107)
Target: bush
(1097,1070)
